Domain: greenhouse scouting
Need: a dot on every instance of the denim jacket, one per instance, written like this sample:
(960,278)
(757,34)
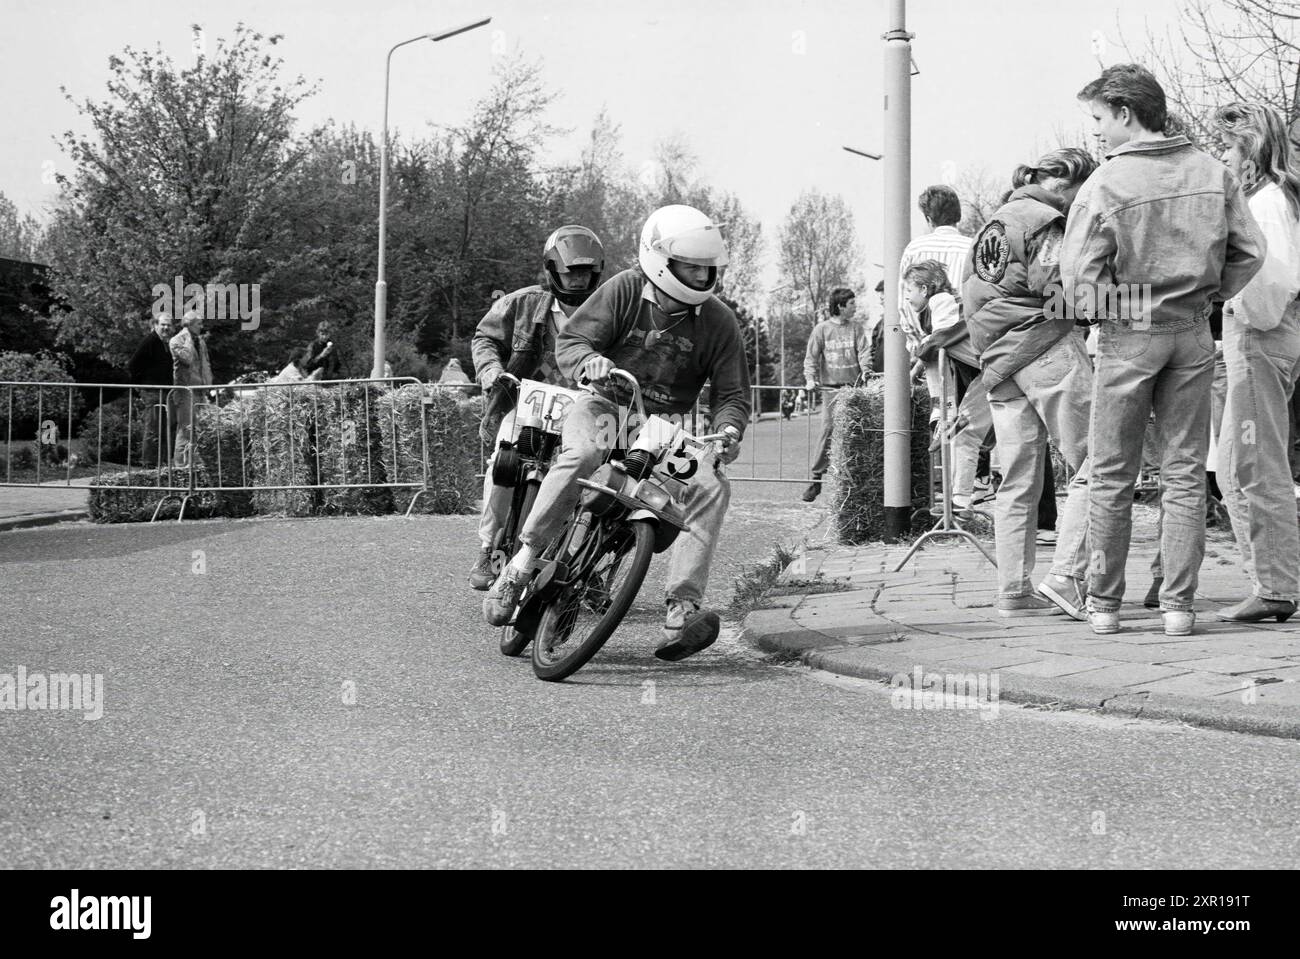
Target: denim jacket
(512,336)
(1164,220)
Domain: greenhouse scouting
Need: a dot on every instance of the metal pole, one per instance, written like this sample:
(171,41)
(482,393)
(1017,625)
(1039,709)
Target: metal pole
(381,285)
(898,191)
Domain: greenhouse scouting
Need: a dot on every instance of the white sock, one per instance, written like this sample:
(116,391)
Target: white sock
(521,560)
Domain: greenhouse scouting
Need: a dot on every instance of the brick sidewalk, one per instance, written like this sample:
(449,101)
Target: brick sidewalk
(938,614)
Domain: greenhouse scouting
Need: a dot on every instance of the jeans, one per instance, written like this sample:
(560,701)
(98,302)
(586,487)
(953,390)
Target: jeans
(581,452)
(1254,468)
(967,444)
(1055,396)
(1138,371)
(496,499)
(831,398)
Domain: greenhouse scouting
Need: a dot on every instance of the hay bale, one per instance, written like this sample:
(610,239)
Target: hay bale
(222,450)
(348,448)
(278,425)
(109,502)
(858,457)
(454,448)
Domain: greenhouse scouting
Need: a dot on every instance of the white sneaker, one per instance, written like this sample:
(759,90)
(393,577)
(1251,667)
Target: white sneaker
(1179,622)
(1103,622)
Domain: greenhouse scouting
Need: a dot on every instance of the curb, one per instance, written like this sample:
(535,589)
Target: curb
(42,519)
(773,629)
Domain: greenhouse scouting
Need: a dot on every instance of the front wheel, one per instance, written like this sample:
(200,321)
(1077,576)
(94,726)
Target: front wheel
(578,621)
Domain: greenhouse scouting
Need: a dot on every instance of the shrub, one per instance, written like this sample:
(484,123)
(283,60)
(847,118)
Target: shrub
(109,502)
(105,437)
(31,405)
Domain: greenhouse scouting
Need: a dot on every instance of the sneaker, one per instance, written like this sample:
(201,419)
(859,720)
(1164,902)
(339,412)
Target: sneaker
(1068,594)
(1179,622)
(1103,622)
(501,601)
(481,575)
(1030,605)
(687,630)
(813,491)
(1046,537)
(1152,600)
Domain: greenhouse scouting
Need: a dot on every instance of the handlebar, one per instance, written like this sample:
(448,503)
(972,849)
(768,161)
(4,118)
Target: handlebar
(628,378)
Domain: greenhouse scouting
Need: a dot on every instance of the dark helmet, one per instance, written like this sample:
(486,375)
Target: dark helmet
(569,247)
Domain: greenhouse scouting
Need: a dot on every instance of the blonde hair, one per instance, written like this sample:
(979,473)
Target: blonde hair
(1261,134)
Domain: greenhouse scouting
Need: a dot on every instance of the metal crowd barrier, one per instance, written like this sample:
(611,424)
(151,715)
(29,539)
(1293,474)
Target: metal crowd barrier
(166,435)
(161,424)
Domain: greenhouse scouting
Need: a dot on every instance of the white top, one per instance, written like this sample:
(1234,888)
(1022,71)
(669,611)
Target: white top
(1272,293)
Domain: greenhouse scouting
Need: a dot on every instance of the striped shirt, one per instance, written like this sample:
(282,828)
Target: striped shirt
(947,246)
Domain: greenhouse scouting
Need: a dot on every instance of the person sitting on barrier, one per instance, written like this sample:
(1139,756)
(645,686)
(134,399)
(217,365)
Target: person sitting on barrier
(1038,376)
(320,358)
(661,324)
(839,354)
(517,335)
(190,368)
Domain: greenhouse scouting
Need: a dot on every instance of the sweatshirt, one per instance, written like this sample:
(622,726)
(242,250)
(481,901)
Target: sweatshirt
(691,349)
(839,351)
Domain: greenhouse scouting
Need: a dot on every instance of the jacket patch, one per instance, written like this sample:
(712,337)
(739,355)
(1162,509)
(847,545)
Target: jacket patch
(992,251)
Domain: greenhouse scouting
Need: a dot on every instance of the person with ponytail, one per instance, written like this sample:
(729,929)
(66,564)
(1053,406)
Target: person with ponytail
(1261,347)
(1038,376)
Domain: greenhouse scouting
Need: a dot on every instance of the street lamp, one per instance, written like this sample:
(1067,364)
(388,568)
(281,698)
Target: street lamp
(381,287)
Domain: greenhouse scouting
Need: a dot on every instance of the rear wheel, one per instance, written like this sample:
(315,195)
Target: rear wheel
(578,621)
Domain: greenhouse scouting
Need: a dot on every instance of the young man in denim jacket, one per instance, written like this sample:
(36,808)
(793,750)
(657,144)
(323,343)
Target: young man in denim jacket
(1159,231)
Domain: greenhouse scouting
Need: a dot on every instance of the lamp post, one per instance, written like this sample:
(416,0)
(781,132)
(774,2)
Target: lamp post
(381,286)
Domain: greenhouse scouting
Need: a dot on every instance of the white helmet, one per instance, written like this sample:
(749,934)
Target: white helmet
(681,234)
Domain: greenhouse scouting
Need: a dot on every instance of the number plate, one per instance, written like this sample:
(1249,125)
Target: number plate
(546,402)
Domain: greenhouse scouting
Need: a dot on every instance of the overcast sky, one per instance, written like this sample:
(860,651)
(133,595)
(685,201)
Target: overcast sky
(765,91)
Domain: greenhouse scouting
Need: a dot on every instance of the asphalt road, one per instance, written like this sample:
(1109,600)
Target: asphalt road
(324,694)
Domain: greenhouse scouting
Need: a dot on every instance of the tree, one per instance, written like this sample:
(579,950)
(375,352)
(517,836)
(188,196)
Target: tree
(21,237)
(981,194)
(1246,50)
(818,246)
(182,176)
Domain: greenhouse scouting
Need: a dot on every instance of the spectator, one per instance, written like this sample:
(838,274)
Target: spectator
(1165,218)
(876,329)
(190,368)
(1038,376)
(320,360)
(151,365)
(1261,347)
(932,300)
(942,210)
(839,354)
